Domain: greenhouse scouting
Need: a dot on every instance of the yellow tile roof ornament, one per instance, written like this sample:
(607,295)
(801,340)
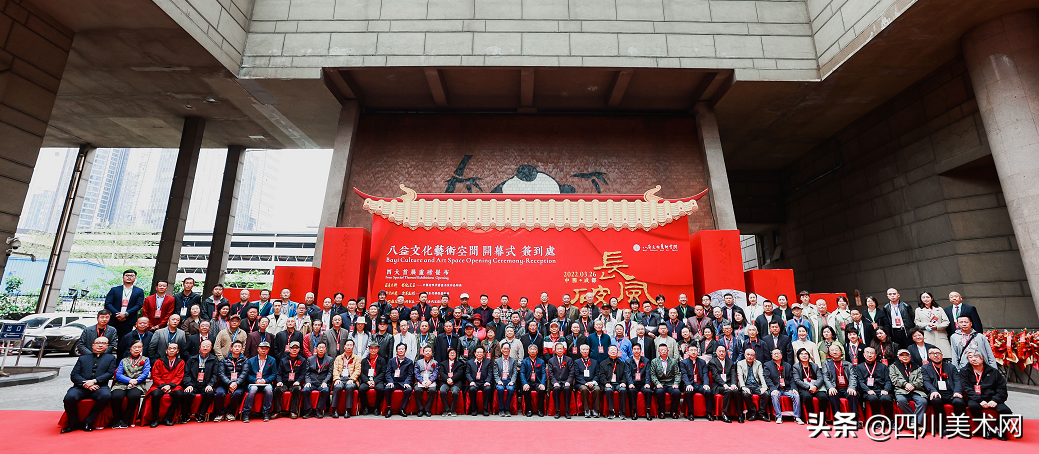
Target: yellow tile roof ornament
(485,211)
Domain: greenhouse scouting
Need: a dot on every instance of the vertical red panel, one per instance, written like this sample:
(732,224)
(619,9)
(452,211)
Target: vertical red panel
(718,265)
(831,299)
(344,262)
(298,279)
(769,284)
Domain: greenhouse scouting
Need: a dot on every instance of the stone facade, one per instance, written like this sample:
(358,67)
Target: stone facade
(221,26)
(911,201)
(762,40)
(840,27)
(424,151)
(33,51)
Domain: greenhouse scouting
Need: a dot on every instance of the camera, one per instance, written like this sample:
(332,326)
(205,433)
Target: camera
(15,243)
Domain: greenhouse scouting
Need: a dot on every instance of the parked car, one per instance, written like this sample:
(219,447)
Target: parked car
(61,329)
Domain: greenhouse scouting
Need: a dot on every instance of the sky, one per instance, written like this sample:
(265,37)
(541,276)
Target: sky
(300,176)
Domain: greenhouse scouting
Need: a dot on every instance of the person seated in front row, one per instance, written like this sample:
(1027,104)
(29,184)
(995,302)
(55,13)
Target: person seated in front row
(942,381)
(780,379)
(263,374)
(90,378)
(841,381)
(167,374)
(200,378)
(751,377)
(666,378)
(231,374)
(695,380)
(129,384)
(532,380)
(984,388)
(400,374)
(345,372)
(638,378)
(506,367)
(478,374)
(874,383)
(426,369)
(318,374)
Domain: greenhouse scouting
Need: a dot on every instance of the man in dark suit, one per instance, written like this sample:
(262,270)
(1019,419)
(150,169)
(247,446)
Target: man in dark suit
(943,385)
(560,379)
(373,377)
(400,374)
(767,317)
(186,298)
(695,380)
(776,339)
(779,377)
(958,309)
(90,378)
(841,381)
(638,377)
(867,334)
(124,302)
(140,333)
(262,377)
(900,318)
(874,382)
(478,374)
(101,329)
(318,374)
(444,342)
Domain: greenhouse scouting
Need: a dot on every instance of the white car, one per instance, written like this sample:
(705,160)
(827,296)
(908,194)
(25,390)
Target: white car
(62,330)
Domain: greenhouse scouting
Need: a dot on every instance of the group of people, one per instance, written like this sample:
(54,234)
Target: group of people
(480,359)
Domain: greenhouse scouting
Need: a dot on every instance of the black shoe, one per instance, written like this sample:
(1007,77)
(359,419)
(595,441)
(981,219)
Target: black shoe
(529,414)
(557,415)
(364,412)
(740,419)
(201,419)
(690,417)
(623,417)
(154,424)
(403,414)
(347,414)
(610,416)
(750,416)
(335,415)
(306,415)
(710,417)
(541,414)
(649,417)
(320,414)
(245,417)
(68,429)
(567,416)
(587,415)
(88,428)
(635,416)
(388,414)
(266,416)
(167,422)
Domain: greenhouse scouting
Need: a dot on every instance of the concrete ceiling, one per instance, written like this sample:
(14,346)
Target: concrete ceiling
(134,74)
(767,125)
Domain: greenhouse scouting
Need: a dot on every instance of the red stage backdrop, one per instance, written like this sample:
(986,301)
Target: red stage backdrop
(524,262)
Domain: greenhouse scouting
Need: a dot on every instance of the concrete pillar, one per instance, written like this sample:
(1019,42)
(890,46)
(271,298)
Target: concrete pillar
(50,294)
(717,177)
(226,208)
(338,188)
(168,258)
(1002,56)
(33,51)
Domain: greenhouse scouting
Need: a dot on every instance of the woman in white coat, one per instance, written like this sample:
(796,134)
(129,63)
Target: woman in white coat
(932,321)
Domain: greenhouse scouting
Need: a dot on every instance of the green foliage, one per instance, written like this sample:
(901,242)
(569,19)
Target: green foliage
(249,279)
(13,285)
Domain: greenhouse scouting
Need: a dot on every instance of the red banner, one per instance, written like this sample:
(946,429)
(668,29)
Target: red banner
(518,263)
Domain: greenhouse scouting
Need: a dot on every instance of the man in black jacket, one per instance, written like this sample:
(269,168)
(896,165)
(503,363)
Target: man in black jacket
(444,342)
(231,374)
(874,382)
(984,388)
(943,385)
(400,374)
(478,374)
(560,377)
(199,379)
(613,374)
(140,333)
(90,378)
(777,339)
(779,377)
(292,369)
(695,381)
(318,374)
(638,378)
(373,376)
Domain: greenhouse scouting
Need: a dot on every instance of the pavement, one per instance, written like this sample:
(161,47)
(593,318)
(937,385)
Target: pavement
(47,395)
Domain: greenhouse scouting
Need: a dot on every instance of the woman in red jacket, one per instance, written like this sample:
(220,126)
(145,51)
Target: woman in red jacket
(167,374)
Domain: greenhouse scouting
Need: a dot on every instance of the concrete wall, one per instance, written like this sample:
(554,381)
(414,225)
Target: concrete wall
(221,26)
(916,205)
(33,51)
(841,27)
(764,40)
(424,151)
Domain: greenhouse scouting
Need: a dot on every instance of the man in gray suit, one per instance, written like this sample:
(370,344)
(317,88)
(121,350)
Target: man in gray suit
(163,337)
(505,369)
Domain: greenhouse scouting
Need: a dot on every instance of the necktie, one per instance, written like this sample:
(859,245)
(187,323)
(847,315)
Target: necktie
(956,311)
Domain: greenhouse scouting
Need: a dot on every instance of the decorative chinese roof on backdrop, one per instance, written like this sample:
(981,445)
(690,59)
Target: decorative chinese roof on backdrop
(530,211)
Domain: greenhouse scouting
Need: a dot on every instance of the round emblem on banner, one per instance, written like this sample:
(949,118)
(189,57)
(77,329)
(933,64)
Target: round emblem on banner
(636,248)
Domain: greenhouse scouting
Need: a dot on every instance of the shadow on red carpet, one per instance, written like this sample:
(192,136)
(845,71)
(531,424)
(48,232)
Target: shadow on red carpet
(36,432)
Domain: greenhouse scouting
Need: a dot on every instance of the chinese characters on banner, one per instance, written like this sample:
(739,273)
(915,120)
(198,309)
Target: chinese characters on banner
(623,264)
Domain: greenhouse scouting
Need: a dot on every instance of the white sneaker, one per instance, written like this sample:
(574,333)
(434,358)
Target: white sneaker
(779,420)
(799,421)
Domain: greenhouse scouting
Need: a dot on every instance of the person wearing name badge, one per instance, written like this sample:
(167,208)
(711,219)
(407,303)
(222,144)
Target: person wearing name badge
(613,374)
(665,377)
(251,321)
(231,374)
(90,378)
(478,373)
(316,378)
(874,383)
(491,345)
(406,337)
(158,307)
(559,372)
(777,338)
(292,368)
(163,337)
(587,385)
(263,374)
(598,342)
(638,378)
(943,385)
(779,378)
(426,369)
(276,320)
(253,340)
(733,345)
(827,339)
(139,334)
(241,306)
(286,337)
(184,300)
(129,385)
(884,346)
(532,379)
(797,321)
(725,383)
(222,317)
(506,368)
(802,341)
(452,381)
(400,374)
(932,321)
(124,302)
(335,336)
(751,379)
(227,337)
(311,339)
(984,388)
(264,303)
(555,336)
(840,318)
(861,327)
(468,342)
(189,323)
(958,308)
(900,317)
(907,381)
(203,334)
(695,380)
(373,377)
(967,338)
(200,378)
(167,375)
(808,378)
(346,370)
(841,382)
(212,303)
(854,349)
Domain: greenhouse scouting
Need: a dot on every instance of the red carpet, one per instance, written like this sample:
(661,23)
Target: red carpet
(26,432)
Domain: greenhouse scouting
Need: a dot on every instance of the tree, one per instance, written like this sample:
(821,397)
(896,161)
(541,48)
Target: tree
(247,279)
(13,285)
